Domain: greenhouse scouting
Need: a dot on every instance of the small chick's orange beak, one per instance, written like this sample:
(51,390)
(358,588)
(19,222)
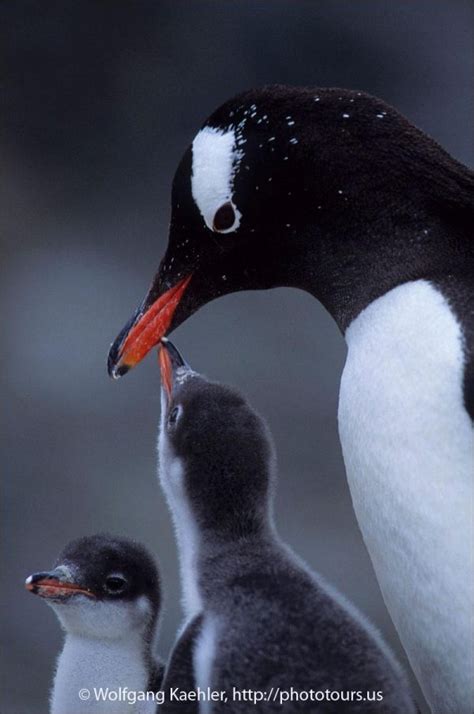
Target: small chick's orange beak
(52,587)
(166,369)
(149,328)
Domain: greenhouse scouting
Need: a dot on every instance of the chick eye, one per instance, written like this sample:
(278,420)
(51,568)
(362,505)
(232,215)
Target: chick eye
(115,584)
(224,218)
(174,415)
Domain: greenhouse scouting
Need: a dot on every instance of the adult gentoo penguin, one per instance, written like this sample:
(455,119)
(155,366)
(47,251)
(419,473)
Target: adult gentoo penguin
(333,192)
(106,594)
(266,622)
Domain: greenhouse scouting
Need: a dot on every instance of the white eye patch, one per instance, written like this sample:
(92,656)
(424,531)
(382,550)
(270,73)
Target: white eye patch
(216,159)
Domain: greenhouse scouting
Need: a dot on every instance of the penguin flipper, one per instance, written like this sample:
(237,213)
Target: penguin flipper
(179,671)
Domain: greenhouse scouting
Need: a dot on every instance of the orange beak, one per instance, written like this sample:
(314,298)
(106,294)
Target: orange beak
(149,328)
(46,586)
(166,369)
(170,360)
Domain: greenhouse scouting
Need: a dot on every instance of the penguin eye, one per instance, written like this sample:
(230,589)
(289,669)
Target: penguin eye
(224,218)
(174,415)
(115,584)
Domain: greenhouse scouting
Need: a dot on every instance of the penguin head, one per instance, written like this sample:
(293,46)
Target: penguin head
(216,455)
(277,189)
(102,586)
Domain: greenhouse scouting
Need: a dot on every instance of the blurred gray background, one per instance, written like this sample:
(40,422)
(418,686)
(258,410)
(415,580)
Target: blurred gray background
(101,100)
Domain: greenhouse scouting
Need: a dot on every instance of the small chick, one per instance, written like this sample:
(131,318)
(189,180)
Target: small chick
(106,594)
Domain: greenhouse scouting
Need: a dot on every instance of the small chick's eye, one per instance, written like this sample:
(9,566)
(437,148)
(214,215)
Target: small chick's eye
(174,415)
(115,584)
(224,218)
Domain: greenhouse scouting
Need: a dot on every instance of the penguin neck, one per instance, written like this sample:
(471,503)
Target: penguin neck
(203,550)
(221,554)
(346,273)
(100,665)
(199,538)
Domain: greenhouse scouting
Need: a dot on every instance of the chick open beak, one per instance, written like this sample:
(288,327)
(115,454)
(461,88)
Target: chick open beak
(169,360)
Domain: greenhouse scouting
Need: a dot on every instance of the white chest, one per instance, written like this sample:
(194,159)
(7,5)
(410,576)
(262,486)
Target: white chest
(101,670)
(408,447)
(204,658)
(187,534)
(171,476)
